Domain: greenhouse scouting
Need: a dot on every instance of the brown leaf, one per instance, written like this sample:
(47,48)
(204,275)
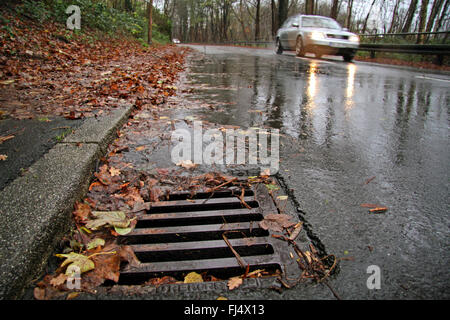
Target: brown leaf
(127,254)
(234,283)
(369,205)
(59,280)
(276,222)
(378,210)
(39,293)
(160,281)
(82,211)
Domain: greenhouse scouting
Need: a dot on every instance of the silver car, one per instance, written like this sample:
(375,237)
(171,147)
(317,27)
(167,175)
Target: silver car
(318,35)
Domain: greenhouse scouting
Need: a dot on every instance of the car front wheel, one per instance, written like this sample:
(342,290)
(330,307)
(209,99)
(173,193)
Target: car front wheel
(348,57)
(299,49)
(279,48)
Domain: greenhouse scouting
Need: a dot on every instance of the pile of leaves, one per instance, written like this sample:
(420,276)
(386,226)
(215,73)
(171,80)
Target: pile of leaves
(47,70)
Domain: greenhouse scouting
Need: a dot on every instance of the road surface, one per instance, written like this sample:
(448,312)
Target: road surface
(352,134)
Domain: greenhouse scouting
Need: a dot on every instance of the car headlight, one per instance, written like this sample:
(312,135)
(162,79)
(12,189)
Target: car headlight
(317,35)
(354,38)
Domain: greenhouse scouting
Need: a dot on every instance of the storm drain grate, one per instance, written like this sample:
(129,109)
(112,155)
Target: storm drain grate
(182,235)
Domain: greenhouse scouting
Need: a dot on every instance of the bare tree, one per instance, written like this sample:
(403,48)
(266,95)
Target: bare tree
(334,9)
(422,19)
(257,20)
(150,21)
(410,15)
(309,6)
(436,8)
(394,17)
(348,19)
(367,17)
(282,11)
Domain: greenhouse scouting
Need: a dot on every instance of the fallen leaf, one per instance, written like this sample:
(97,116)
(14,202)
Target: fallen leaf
(234,283)
(378,210)
(127,254)
(296,231)
(160,281)
(187,164)
(3,157)
(140,148)
(369,205)
(76,260)
(97,242)
(276,222)
(72,295)
(108,218)
(193,277)
(39,293)
(10,81)
(82,211)
(59,280)
(114,172)
(282,197)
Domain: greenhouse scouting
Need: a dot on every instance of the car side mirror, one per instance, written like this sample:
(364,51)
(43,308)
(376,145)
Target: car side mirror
(295,24)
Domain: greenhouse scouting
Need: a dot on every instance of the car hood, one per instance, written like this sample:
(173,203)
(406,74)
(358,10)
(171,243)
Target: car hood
(327,30)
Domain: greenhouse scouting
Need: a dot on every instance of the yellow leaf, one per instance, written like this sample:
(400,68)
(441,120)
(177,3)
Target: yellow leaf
(282,197)
(193,277)
(75,260)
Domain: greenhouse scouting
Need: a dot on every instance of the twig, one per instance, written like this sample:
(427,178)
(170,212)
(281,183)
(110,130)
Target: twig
(241,197)
(332,290)
(238,257)
(221,185)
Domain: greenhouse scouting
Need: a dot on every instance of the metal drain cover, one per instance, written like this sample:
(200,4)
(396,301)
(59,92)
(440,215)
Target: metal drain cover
(182,235)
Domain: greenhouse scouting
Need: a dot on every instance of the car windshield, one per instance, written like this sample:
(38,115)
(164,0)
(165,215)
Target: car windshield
(317,22)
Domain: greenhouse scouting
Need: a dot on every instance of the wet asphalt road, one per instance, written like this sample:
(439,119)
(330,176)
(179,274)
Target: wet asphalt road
(352,133)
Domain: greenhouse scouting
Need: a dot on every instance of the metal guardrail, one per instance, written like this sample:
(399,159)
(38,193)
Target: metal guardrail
(439,50)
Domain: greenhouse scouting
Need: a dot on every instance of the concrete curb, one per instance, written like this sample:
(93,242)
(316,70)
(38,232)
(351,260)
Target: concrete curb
(35,209)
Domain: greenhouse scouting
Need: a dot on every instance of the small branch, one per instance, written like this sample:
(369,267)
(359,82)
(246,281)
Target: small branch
(238,257)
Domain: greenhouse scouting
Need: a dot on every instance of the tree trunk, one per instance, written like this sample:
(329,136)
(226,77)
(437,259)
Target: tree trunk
(422,19)
(410,16)
(150,21)
(309,7)
(394,17)
(367,17)
(442,17)
(257,18)
(348,20)
(334,9)
(274,22)
(437,5)
(282,11)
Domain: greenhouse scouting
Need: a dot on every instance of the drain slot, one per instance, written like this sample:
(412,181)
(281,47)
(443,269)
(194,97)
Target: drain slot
(201,250)
(198,218)
(201,205)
